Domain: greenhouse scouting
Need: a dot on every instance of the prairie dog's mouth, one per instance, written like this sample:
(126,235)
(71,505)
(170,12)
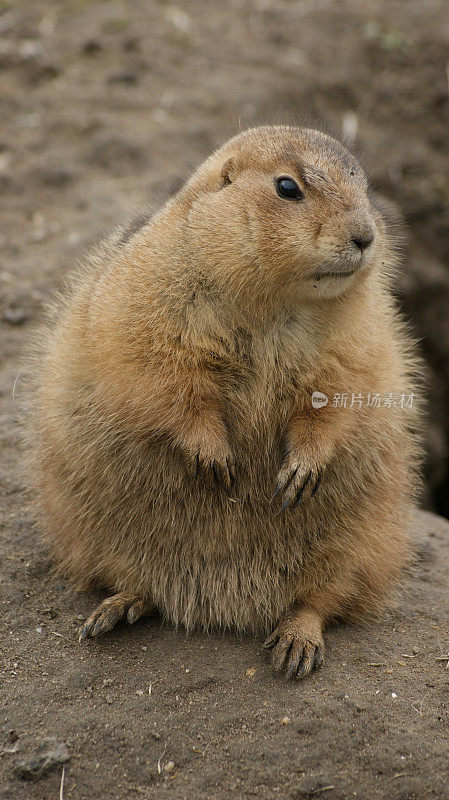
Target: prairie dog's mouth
(320,275)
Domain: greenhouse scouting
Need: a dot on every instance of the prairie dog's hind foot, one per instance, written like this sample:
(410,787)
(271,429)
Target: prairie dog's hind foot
(297,643)
(113,610)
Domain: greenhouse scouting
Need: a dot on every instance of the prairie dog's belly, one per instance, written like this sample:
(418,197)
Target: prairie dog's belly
(204,559)
(208,593)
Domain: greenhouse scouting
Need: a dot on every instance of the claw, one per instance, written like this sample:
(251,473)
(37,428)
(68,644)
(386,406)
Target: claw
(106,623)
(291,477)
(197,465)
(296,655)
(296,643)
(301,491)
(317,482)
(285,504)
(294,659)
(297,499)
(230,472)
(278,489)
(216,473)
(137,610)
(295,481)
(84,632)
(271,640)
(281,652)
(319,657)
(111,611)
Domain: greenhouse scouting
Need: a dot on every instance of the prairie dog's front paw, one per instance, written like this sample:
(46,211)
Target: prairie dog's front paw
(299,477)
(216,467)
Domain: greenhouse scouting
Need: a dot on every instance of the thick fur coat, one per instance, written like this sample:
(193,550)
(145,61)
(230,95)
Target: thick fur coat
(174,388)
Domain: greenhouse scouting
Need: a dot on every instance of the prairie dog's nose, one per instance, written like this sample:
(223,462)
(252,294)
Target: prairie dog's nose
(363,238)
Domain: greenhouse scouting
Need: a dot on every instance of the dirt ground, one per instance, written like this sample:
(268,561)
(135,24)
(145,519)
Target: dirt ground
(106,105)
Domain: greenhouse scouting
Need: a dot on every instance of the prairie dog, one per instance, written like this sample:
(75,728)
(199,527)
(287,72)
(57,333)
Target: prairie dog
(177,455)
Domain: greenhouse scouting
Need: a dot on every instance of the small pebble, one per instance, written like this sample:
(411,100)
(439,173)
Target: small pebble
(127,76)
(39,235)
(91,46)
(15,316)
(50,754)
(74,238)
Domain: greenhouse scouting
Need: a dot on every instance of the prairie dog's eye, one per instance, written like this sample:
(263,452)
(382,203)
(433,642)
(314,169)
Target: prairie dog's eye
(288,189)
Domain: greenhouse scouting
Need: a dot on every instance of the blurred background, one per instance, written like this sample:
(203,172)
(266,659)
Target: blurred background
(108,105)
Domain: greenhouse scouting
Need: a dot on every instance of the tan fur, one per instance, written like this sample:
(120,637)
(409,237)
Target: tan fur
(199,338)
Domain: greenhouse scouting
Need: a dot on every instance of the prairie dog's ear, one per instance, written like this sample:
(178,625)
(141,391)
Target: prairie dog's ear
(228,172)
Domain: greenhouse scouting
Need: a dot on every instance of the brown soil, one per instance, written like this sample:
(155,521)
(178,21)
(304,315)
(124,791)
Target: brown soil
(107,105)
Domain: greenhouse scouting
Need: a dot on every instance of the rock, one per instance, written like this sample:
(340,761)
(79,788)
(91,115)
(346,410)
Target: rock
(50,754)
(43,71)
(53,175)
(127,76)
(15,316)
(313,785)
(91,46)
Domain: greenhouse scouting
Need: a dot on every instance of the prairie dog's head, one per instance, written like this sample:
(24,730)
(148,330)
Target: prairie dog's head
(284,210)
